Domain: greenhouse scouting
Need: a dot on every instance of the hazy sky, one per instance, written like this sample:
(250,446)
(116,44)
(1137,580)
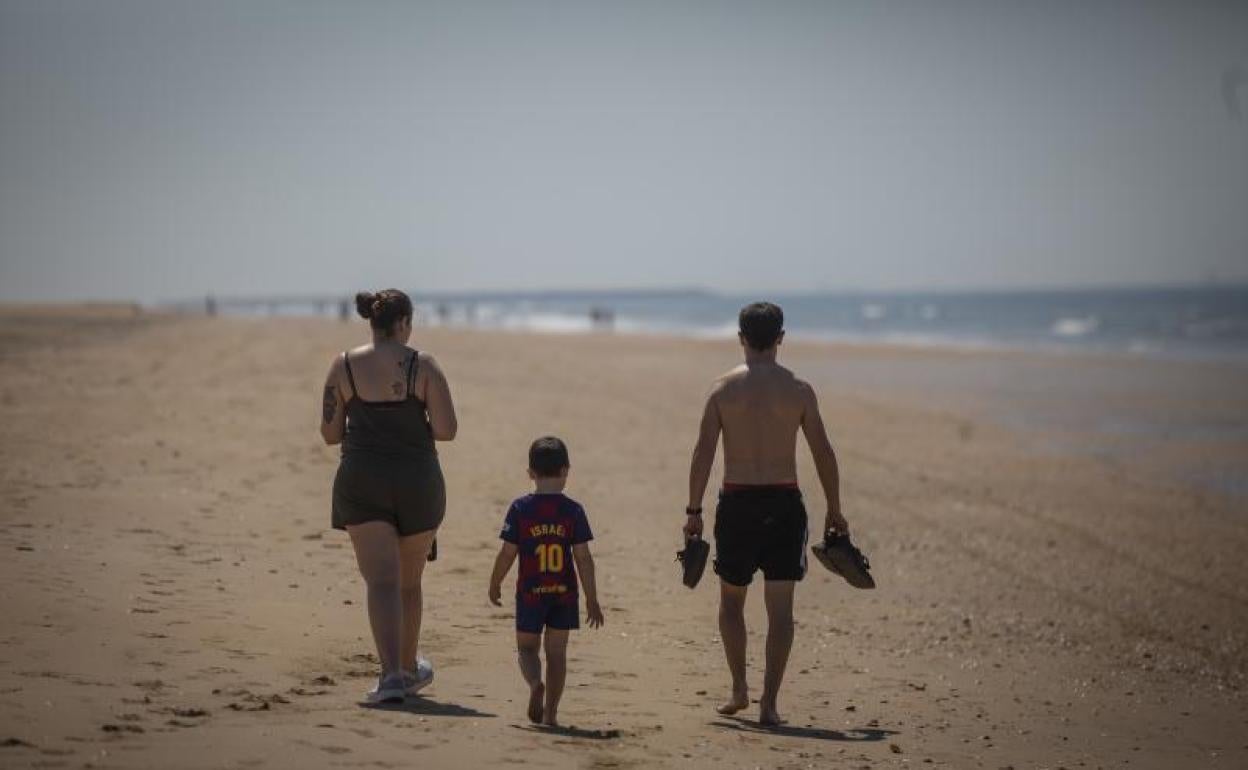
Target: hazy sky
(159,150)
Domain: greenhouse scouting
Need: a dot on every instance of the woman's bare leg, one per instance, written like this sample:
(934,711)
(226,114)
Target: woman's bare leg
(413,554)
(377,553)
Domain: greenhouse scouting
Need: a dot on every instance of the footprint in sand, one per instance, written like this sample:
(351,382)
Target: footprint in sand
(189,712)
(119,729)
(13,743)
(250,701)
(181,723)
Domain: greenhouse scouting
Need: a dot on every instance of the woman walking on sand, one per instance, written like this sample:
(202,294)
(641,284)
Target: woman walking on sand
(387,404)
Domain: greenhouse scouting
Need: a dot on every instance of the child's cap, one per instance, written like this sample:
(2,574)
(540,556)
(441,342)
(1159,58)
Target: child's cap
(548,456)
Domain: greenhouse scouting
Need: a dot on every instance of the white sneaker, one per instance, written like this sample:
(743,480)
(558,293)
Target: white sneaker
(388,690)
(418,678)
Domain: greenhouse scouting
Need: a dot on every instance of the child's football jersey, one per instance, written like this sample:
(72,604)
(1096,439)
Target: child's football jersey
(544,527)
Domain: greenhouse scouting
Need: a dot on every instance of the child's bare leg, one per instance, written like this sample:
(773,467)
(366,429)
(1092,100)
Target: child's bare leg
(732,631)
(528,647)
(556,672)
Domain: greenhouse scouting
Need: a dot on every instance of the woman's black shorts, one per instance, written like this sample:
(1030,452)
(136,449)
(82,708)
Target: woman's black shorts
(408,493)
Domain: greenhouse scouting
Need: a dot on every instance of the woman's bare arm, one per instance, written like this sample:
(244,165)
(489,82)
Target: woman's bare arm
(333,405)
(437,398)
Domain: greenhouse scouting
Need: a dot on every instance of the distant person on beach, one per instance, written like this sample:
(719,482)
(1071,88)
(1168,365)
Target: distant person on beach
(541,528)
(760,522)
(387,404)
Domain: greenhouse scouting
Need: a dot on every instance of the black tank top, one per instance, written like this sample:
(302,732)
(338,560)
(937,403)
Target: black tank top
(388,429)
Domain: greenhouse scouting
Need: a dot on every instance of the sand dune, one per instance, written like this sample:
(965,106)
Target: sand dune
(173,596)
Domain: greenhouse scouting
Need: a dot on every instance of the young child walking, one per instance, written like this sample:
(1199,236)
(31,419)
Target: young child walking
(541,528)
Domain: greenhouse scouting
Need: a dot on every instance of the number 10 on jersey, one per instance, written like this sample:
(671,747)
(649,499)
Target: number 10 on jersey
(549,557)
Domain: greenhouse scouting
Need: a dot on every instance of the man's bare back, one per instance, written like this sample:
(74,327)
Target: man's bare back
(759,407)
(760,410)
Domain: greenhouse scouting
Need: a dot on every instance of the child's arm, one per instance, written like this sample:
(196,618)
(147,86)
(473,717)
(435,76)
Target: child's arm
(585,568)
(502,564)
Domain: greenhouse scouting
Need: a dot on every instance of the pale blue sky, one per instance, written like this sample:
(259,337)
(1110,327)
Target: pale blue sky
(157,150)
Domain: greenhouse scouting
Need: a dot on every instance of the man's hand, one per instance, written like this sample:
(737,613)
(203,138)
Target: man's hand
(496,594)
(595,613)
(835,521)
(693,527)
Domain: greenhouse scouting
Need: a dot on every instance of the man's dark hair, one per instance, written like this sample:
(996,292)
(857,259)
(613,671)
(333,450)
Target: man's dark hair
(761,324)
(548,456)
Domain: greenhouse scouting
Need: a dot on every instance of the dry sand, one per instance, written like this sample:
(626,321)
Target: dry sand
(172,595)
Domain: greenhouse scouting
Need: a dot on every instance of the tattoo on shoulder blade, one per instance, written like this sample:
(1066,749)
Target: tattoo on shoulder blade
(329,404)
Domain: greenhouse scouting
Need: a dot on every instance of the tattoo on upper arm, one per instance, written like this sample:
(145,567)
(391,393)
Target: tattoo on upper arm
(329,404)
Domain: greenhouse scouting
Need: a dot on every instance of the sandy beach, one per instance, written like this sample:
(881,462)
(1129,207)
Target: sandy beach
(1059,544)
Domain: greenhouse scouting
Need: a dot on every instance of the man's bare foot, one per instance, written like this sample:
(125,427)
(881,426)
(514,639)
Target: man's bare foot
(550,719)
(536,695)
(768,716)
(738,701)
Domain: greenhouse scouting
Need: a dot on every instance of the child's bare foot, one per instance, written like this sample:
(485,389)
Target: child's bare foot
(768,716)
(537,694)
(738,701)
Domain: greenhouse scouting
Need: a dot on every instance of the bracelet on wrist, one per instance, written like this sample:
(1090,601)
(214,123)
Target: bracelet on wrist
(693,511)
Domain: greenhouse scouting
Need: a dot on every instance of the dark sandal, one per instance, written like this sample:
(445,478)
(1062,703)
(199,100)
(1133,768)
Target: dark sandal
(842,557)
(693,560)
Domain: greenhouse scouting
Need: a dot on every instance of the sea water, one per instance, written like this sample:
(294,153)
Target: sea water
(1209,322)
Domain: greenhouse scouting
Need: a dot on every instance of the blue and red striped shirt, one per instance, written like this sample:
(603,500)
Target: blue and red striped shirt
(544,527)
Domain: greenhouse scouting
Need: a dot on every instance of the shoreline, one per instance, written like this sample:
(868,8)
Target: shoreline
(1174,323)
(574,325)
(899,340)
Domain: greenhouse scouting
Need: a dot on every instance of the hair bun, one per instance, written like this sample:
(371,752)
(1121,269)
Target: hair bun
(384,308)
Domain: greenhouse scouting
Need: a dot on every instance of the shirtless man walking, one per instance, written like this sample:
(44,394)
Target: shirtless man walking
(760,522)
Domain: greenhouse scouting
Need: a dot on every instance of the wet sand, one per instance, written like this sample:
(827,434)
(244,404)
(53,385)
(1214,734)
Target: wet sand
(173,596)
